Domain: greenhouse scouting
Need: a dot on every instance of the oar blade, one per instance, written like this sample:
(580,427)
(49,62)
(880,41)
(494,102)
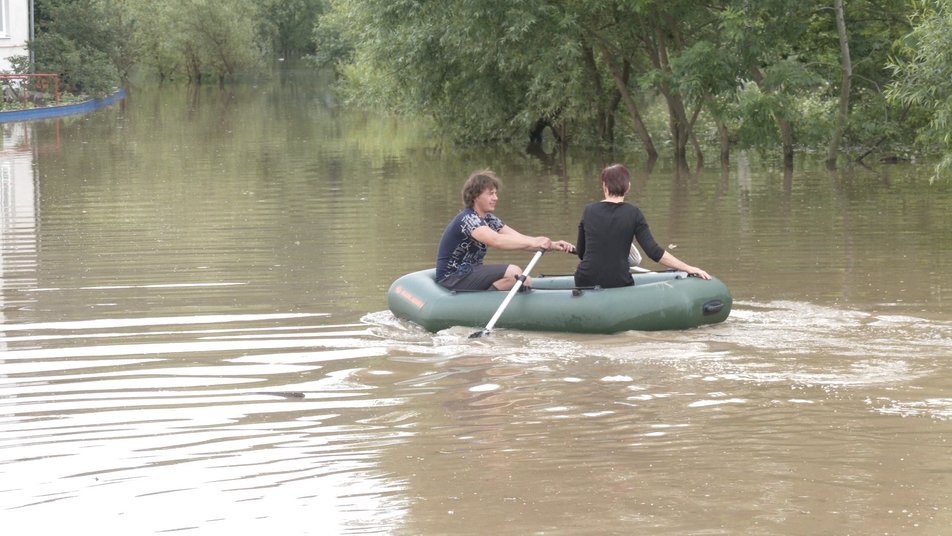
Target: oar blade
(508,298)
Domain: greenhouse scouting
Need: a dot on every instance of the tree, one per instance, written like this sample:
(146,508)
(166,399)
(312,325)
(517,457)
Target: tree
(875,27)
(485,71)
(490,70)
(196,38)
(763,74)
(159,43)
(221,35)
(842,115)
(85,42)
(922,70)
(286,26)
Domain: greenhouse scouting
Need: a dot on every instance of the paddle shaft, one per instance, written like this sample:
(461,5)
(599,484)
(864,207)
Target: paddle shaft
(512,292)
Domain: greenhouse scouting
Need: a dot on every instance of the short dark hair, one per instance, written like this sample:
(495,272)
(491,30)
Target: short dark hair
(617,179)
(477,183)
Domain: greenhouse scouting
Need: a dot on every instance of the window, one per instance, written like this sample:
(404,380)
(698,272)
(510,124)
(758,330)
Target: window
(4,15)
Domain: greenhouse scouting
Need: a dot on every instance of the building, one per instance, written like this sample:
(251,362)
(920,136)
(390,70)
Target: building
(16,28)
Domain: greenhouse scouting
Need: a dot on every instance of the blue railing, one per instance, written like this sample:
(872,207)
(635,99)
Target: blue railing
(59,111)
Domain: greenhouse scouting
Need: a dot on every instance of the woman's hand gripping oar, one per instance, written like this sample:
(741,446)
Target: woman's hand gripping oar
(512,292)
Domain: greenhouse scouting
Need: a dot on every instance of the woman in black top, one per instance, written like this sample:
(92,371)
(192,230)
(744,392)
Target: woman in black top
(606,232)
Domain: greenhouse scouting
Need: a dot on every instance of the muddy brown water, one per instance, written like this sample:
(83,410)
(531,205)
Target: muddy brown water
(194,338)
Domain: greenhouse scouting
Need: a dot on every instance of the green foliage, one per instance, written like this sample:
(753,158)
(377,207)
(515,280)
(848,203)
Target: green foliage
(467,64)
(95,44)
(491,69)
(487,70)
(758,127)
(84,42)
(196,38)
(922,67)
(873,26)
(333,40)
(286,26)
(223,34)
(160,43)
(496,70)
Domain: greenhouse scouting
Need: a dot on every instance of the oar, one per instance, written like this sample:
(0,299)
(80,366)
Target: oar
(512,292)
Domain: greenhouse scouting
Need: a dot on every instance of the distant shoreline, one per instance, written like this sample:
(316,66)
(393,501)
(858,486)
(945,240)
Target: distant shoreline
(59,111)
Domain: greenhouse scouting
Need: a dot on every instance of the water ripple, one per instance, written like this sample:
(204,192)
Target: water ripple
(274,417)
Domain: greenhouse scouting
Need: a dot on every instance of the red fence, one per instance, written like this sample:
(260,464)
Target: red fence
(38,83)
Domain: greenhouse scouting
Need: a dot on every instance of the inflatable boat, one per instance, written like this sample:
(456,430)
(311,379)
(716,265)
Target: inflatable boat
(657,301)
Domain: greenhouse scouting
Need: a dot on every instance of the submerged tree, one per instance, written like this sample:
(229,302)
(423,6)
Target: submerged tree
(659,73)
(286,26)
(95,44)
(196,38)
(766,73)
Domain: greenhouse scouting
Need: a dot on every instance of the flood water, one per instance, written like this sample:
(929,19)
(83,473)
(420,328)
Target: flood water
(194,338)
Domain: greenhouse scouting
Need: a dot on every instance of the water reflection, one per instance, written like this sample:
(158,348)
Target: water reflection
(204,412)
(18,217)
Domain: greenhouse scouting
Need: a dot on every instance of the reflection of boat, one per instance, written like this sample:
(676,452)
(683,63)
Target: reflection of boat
(657,301)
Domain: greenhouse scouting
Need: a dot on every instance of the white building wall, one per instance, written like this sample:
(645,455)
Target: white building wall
(14,30)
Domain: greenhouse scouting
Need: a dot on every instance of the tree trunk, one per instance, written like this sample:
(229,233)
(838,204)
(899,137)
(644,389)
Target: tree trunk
(606,112)
(787,137)
(622,85)
(723,134)
(678,122)
(724,141)
(846,64)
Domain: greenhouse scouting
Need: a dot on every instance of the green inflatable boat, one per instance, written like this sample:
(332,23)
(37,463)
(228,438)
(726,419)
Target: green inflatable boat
(657,301)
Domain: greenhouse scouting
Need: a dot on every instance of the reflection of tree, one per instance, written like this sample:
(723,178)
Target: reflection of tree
(553,162)
(679,220)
